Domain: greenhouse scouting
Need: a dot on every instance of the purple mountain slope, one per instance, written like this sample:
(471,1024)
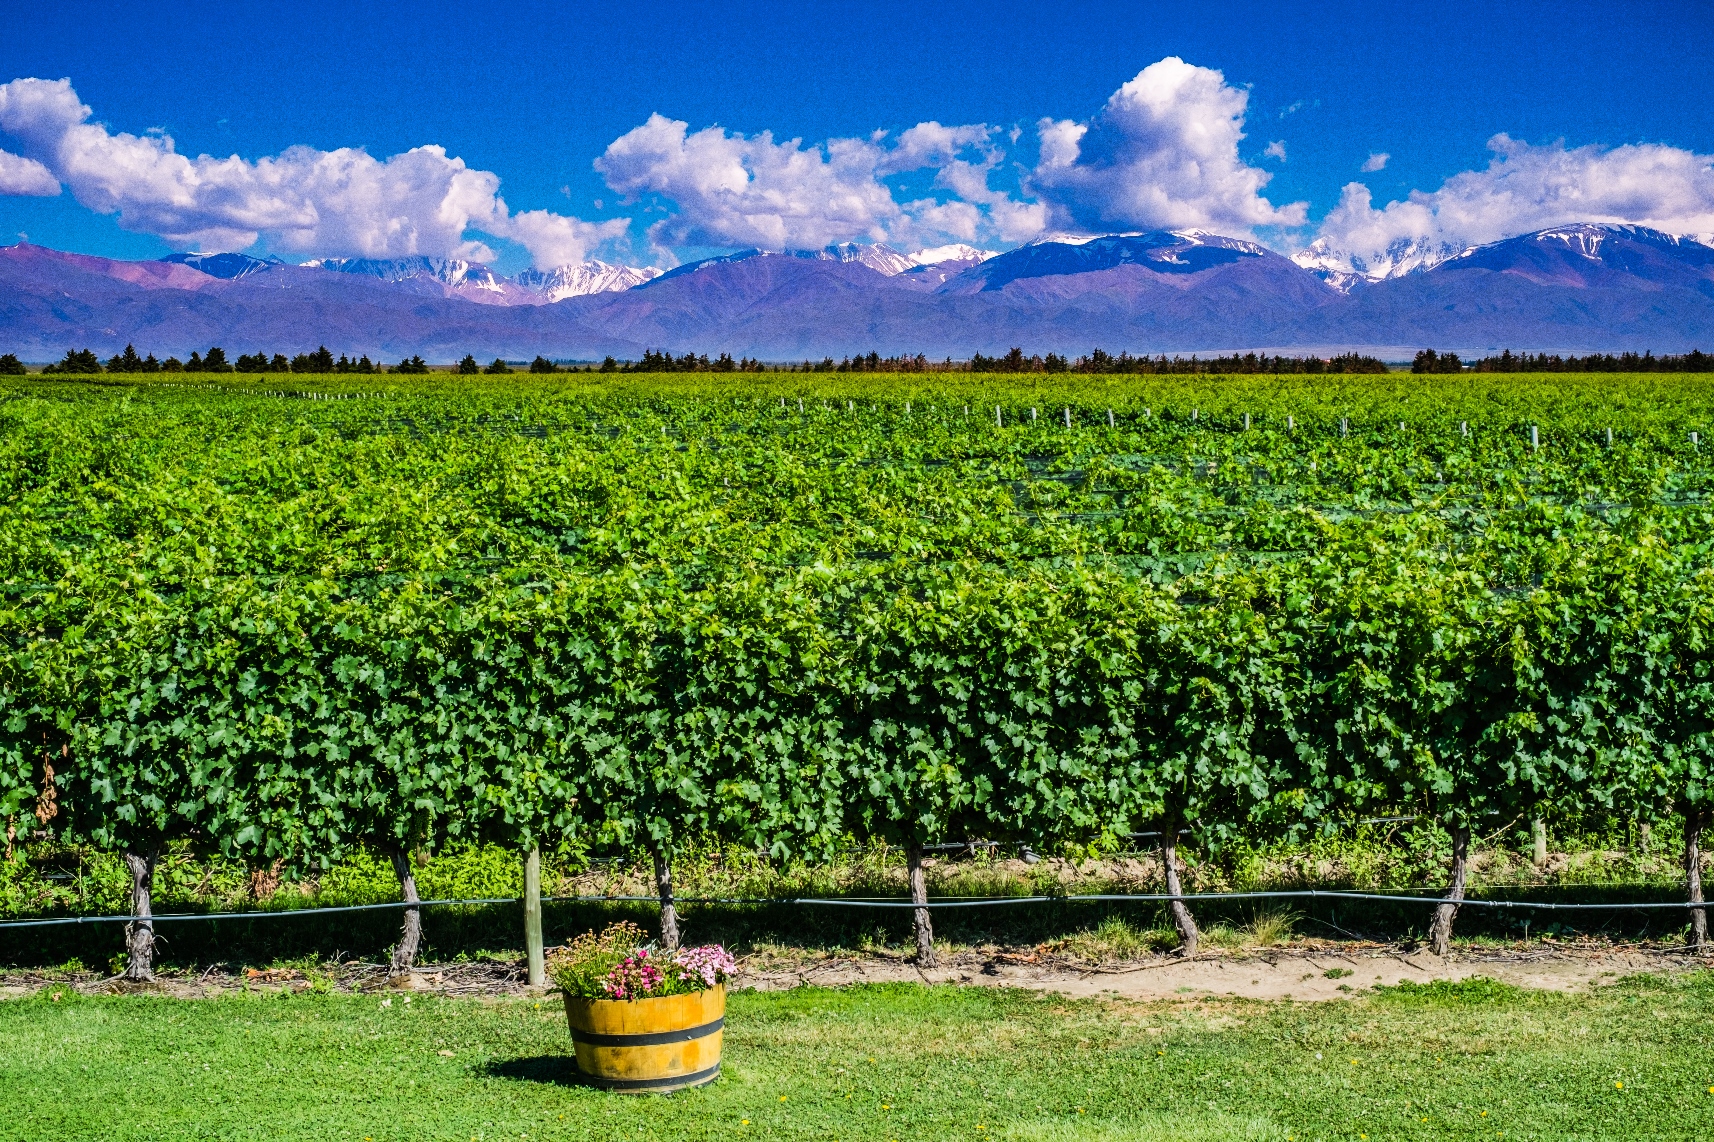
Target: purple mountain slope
(1576,288)
(50,301)
(1152,292)
(1161,252)
(1580,288)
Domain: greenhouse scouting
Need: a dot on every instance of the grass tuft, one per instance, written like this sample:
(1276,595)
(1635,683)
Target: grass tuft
(1115,939)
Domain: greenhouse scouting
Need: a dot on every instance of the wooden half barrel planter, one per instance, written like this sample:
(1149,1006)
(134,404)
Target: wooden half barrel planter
(648,1046)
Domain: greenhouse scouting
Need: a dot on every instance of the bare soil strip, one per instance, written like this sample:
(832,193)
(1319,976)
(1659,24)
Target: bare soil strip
(1302,970)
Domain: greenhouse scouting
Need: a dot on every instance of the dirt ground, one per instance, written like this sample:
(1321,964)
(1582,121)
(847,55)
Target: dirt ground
(1285,973)
(1301,970)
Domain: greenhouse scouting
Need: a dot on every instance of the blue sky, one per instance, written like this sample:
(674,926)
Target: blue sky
(531,96)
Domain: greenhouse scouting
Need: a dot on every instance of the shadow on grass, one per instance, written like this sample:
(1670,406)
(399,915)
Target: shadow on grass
(482,930)
(560,1070)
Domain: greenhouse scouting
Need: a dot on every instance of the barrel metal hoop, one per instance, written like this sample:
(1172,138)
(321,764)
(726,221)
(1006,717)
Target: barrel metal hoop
(695,1078)
(648,1040)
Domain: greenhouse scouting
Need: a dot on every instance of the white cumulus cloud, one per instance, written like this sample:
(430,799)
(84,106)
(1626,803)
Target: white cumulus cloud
(1376,161)
(1524,188)
(1275,150)
(1162,154)
(22,176)
(751,191)
(340,203)
(558,240)
(730,189)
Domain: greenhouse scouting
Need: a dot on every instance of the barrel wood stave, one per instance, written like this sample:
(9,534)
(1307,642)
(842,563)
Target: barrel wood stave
(648,1045)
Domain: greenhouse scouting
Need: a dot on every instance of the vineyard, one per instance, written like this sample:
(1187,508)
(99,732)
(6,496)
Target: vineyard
(785,612)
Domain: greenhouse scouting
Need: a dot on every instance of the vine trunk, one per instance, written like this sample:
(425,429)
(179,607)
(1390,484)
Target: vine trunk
(919,896)
(411,938)
(669,910)
(1189,939)
(140,932)
(1440,931)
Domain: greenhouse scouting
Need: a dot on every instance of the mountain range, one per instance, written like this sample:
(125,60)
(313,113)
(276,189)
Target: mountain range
(1582,288)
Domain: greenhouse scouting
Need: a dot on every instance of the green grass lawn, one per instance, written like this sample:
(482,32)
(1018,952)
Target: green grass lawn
(1477,1060)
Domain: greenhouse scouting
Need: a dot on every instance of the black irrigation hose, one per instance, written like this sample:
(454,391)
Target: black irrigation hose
(852,902)
(259,914)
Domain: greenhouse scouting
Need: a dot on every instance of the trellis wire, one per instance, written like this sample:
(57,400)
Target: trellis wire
(881,902)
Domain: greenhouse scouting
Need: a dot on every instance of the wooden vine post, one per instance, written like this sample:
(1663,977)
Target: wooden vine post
(533,917)
(1694,818)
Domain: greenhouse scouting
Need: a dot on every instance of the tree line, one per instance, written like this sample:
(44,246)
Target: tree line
(1696,361)
(1096,362)
(85,362)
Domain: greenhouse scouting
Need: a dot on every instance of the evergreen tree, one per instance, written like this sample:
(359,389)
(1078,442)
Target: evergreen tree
(10,366)
(320,361)
(126,362)
(365,365)
(543,365)
(411,366)
(150,365)
(279,364)
(76,361)
(1428,361)
(468,367)
(194,365)
(172,365)
(609,365)
(216,361)
(498,368)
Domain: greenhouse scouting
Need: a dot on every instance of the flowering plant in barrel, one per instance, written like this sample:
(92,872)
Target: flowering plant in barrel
(616,963)
(642,1019)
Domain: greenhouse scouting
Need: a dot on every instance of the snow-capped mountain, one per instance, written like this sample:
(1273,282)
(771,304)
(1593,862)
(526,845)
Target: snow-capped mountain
(1573,288)
(957,252)
(1345,269)
(1161,251)
(447,271)
(1603,242)
(456,277)
(474,281)
(582,280)
(881,258)
(1591,254)
(228,266)
(878,256)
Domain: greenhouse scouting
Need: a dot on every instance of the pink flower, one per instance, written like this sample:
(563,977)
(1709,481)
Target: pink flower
(707,966)
(634,977)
